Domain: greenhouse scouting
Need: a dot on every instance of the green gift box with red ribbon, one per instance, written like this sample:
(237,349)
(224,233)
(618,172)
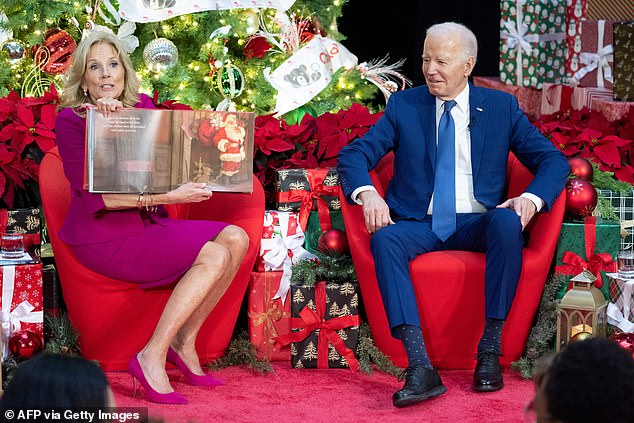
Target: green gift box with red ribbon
(592,244)
(325,326)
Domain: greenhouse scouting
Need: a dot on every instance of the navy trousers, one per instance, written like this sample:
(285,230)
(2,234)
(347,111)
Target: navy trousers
(498,232)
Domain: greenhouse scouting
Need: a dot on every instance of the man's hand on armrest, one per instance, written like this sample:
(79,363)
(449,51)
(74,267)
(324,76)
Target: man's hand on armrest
(375,210)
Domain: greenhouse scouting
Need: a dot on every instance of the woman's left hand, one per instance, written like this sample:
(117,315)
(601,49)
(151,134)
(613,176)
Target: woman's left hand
(107,105)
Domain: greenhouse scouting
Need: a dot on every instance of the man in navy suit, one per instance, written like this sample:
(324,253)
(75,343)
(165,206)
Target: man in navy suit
(451,142)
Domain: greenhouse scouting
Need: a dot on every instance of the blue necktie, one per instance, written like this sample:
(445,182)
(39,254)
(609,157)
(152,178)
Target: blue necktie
(443,221)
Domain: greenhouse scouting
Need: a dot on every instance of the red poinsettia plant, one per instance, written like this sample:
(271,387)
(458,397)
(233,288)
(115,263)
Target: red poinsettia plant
(589,134)
(313,142)
(27,131)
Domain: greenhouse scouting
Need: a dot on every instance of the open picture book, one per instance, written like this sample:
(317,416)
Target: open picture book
(156,150)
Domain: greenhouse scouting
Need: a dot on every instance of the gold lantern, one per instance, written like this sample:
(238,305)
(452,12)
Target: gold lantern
(582,312)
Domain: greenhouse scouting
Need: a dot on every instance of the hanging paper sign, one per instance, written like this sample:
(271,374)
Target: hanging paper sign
(159,10)
(307,72)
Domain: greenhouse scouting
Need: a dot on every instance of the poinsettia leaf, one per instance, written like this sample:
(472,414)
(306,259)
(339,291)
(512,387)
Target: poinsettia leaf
(25,116)
(625,173)
(608,154)
(279,145)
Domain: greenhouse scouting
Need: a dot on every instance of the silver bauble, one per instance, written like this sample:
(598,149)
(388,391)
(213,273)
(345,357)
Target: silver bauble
(160,54)
(14,49)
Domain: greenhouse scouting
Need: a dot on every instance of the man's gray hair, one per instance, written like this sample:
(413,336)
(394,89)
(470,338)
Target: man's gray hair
(468,40)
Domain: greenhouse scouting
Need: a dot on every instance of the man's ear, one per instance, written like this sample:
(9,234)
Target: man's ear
(469,65)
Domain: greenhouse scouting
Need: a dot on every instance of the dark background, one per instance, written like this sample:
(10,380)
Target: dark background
(398,28)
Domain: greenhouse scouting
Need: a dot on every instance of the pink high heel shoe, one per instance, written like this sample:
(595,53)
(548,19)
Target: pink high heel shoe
(193,379)
(134,368)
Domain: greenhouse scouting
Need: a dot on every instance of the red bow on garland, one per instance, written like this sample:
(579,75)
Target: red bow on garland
(597,262)
(310,320)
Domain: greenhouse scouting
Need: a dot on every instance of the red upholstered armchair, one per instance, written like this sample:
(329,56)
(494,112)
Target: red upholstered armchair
(114,318)
(449,285)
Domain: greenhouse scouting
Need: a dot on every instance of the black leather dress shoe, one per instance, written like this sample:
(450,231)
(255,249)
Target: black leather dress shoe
(487,376)
(421,383)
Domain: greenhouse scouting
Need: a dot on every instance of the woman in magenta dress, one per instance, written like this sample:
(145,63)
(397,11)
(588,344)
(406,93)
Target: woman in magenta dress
(125,237)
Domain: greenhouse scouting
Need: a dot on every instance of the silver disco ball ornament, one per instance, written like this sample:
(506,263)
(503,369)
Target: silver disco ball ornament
(14,49)
(160,54)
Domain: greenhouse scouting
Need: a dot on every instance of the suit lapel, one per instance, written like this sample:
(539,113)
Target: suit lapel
(428,122)
(479,117)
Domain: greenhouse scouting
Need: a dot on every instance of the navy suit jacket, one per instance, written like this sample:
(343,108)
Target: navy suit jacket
(408,128)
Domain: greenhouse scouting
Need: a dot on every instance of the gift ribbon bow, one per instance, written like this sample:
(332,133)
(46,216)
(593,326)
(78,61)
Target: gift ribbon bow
(266,318)
(597,262)
(23,313)
(310,321)
(599,60)
(615,317)
(284,252)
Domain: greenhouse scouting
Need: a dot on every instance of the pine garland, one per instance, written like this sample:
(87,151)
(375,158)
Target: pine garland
(63,336)
(369,354)
(542,336)
(241,351)
(327,267)
(605,180)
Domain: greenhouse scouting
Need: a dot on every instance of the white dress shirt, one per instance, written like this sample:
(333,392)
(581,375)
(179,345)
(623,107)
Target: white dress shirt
(465,199)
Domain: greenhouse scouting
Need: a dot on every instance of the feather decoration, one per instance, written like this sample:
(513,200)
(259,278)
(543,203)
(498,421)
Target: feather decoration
(385,77)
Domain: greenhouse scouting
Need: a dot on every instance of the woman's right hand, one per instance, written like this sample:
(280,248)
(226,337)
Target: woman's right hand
(191,192)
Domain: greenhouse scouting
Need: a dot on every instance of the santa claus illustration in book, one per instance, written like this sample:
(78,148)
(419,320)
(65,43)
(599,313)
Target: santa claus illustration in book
(230,140)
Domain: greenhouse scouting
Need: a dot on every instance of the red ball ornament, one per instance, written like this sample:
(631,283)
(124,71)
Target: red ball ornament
(581,198)
(333,241)
(581,168)
(24,343)
(60,46)
(625,340)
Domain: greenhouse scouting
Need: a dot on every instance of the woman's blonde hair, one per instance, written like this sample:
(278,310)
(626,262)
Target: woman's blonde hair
(73,94)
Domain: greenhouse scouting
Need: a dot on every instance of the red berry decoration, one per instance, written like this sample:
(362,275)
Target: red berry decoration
(581,198)
(625,340)
(333,241)
(24,343)
(60,46)
(581,168)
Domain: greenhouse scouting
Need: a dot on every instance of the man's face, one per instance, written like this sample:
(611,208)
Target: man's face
(444,67)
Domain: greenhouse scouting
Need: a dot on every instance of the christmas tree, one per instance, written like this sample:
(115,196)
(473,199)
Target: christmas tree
(221,54)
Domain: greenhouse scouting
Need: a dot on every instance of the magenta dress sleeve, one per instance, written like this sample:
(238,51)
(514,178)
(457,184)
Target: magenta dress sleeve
(70,132)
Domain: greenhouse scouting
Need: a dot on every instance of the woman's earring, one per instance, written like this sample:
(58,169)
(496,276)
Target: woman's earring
(85,92)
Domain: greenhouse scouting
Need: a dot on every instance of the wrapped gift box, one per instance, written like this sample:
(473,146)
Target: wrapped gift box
(575,13)
(532,42)
(623,61)
(308,186)
(23,221)
(22,300)
(592,244)
(268,317)
(325,326)
(621,307)
(314,229)
(558,97)
(282,240)
(596,59)
(623,204)
(612,109)
(610,9)
(528,98)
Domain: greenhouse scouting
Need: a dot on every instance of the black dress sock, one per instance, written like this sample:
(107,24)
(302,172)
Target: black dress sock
(490,341)
(412,339)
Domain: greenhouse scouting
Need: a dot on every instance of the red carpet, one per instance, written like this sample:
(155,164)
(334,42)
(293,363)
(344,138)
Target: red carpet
(316,396)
